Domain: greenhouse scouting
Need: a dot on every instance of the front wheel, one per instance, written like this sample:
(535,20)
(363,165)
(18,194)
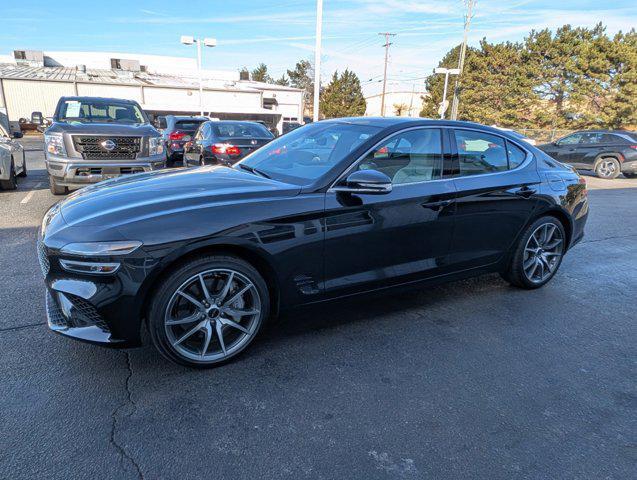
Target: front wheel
(538,254)
(608,168)
(208,311)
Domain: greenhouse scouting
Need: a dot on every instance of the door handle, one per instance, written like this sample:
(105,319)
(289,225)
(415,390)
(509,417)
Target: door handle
(525,192)
(437,205)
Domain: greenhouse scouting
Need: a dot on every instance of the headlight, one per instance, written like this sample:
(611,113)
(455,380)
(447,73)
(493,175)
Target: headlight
(98,249)
(155,146)
(54,144)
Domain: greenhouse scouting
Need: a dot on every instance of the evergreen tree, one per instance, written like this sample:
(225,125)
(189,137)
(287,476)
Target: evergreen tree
(260,74)
(343,96)
(303,77)
(283,80)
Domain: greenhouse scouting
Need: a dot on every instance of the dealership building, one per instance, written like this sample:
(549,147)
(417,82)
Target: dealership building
(33,81)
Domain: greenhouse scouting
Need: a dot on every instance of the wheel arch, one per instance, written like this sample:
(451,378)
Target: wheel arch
(615,155)
(255,257)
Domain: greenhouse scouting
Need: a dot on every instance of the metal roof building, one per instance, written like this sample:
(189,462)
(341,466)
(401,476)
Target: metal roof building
(34,81)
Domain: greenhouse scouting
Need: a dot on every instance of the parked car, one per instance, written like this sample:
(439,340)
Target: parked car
(207,255)
(176,131)
(92,139)
(13,162)
(607,152)
(225,142)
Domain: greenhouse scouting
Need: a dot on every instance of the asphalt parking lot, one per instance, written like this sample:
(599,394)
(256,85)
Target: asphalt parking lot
(473,379)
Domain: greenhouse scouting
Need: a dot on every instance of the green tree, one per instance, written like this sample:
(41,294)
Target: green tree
(302,77)
(260,74)
(343,96)
(283,80)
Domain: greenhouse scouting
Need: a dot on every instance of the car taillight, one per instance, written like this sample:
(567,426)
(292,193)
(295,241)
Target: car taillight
(177,135)
(225,148)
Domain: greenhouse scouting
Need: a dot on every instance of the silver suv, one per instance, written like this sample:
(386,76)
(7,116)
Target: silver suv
(93,139)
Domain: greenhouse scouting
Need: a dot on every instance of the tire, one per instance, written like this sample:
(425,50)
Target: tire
(186,327)
(11,183)
(24,166)
(55,188)
(608,168)
(528,253)
(630,175)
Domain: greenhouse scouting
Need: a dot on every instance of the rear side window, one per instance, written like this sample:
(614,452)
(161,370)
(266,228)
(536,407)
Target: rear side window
(480,153)
(516,155)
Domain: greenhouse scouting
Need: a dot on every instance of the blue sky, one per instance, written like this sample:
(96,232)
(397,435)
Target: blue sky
(280,32)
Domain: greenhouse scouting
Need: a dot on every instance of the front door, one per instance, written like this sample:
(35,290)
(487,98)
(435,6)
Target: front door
(496,188)
(374,240)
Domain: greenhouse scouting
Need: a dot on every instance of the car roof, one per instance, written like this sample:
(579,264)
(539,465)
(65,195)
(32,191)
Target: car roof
(109,99)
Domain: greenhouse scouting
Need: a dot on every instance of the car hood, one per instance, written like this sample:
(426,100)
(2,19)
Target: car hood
(166,192)
(141,129)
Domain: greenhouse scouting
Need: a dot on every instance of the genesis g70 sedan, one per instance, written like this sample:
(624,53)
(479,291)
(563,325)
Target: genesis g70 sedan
(204,256)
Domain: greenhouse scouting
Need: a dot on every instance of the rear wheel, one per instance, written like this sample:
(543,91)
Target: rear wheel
(538,254)
(10,183)
(55,188)
(208,311)
(607,168)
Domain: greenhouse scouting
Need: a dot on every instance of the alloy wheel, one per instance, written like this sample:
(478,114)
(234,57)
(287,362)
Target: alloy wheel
(213,315)
(543,252)
(607,168)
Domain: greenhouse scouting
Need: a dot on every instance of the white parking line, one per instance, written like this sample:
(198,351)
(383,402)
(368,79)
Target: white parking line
(30,194)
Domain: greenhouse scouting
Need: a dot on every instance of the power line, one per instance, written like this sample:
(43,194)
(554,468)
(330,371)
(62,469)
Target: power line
(387,44)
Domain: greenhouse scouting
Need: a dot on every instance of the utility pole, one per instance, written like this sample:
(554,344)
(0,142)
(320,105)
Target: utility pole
(317,59)
(463,51)
(387,44)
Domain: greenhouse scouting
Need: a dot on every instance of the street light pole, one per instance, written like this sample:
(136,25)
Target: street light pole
(444,103)
(207,42)
(317,59)
(463,51)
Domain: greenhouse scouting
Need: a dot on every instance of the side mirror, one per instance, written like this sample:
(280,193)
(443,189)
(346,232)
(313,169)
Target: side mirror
(371,182)
(17,135)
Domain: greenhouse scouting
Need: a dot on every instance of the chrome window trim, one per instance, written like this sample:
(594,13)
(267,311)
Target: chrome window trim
(333,187)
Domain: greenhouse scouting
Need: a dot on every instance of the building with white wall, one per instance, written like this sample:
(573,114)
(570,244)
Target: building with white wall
(33,81)
(409,101)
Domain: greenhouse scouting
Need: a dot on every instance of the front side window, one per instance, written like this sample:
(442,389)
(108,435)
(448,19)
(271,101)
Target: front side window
(408,157)
(306,154)
(480,153)
(571,139)
(100,111)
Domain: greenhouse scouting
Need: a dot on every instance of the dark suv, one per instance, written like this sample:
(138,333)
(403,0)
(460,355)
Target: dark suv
(176,131)
(607,152)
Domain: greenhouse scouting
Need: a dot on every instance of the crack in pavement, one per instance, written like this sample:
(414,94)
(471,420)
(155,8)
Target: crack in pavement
(128,402)
(609,238)
(20,327)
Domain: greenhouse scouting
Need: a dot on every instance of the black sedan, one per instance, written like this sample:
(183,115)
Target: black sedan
(607,152)
(203,257)
(225,142)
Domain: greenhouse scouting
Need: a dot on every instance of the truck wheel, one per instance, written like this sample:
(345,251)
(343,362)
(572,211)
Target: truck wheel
(608,168)
(11,183)
(55,188)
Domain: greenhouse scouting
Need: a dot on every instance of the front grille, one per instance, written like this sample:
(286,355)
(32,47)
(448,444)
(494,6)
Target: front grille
(92,148)
(82,313)
(43,259)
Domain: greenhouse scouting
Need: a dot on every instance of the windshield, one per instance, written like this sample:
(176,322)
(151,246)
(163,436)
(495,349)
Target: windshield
(100,110)
(238,130)
(307,153)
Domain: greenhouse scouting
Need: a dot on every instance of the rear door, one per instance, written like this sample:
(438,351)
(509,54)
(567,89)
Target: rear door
(496,183)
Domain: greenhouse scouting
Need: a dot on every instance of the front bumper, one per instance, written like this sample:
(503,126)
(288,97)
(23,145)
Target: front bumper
(76,172)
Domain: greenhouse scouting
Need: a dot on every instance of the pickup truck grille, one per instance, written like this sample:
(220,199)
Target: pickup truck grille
(94,148)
